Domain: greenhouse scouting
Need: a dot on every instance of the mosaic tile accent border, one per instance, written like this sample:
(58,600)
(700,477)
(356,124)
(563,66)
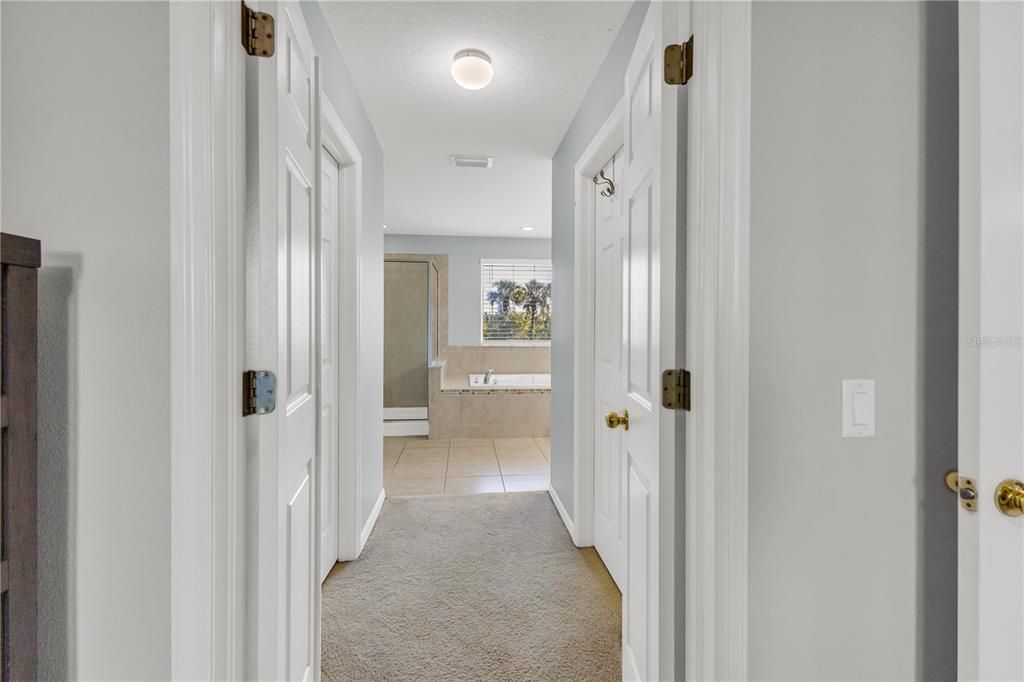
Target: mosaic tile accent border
(495,391)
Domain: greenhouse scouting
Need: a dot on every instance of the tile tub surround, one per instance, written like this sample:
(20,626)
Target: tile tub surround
(456,411)
(465,466)
(461,361)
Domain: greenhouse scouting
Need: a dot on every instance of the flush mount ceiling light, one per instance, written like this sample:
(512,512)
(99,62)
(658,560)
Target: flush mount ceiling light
(472,69)
(526,228)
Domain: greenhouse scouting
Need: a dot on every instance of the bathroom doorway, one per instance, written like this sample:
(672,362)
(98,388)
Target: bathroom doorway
(469,319)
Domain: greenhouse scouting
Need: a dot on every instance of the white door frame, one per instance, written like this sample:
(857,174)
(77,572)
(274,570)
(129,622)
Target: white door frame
(335,138)
(607,140)
(208,346)
(991,157)
(207,164)
(717,343)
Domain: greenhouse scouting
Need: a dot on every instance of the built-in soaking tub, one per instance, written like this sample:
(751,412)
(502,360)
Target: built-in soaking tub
(476,381)
(510,405)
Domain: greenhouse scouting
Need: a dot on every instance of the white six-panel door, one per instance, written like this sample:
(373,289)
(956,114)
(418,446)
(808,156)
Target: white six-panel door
(609,373)
(330,217)
(288,600)
(649,194)
(991,367)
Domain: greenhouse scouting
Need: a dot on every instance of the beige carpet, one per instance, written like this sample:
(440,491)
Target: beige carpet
(479,587)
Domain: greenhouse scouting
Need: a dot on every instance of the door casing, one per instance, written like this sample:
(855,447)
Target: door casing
(210,522)
(208,515)
(711,554)
(335,138)
(990,545)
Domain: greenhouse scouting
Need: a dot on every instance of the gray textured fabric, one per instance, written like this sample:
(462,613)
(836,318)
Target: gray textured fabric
(479,587)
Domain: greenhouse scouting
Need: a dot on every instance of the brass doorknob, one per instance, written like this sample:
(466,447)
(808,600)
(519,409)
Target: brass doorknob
(613,421)
(1010,497)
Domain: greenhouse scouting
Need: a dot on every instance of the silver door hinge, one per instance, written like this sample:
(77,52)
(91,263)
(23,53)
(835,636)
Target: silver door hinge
(259,392)
(257,32)
(675,389)
(679,63)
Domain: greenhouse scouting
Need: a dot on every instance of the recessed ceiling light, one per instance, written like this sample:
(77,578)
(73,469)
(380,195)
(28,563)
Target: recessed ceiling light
(384,226)
(526,228)
(472,69)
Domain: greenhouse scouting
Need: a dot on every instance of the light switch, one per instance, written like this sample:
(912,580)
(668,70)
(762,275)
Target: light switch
(858,408)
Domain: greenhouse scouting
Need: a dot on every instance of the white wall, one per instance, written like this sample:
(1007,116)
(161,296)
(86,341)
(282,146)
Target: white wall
(464,254)
(853,275)
(85,169)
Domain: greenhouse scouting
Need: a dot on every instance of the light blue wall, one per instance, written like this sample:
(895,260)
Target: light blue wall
(464,254)
(604,93)
(338,87)
(93,184)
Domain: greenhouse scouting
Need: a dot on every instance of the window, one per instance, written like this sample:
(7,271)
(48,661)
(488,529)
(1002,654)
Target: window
(515,302)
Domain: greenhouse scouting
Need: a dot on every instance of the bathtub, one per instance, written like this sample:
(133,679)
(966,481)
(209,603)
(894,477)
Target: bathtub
(511,381)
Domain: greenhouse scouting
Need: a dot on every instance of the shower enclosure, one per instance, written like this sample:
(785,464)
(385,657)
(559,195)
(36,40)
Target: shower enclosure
(410,342)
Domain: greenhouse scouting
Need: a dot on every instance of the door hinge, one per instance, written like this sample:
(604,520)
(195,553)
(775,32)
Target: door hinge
(257,32)
(675,389)
(679,63)
(259,392)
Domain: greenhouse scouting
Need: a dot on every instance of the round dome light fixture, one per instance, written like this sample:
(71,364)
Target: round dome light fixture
(472,69)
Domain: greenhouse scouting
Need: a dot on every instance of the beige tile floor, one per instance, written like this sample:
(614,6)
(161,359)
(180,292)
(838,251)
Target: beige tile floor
(466,466)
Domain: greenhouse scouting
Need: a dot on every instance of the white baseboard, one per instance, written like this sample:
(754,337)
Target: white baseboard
(413,427)
(400,413)
(564,514)
(371,521)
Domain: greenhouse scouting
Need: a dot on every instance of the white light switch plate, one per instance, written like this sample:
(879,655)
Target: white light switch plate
(858,408)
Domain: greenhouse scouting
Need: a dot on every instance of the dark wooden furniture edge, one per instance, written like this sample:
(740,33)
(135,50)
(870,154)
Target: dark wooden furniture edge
(19,324)
(23,251)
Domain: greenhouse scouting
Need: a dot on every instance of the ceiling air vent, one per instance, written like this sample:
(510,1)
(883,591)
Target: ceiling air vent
(470,161)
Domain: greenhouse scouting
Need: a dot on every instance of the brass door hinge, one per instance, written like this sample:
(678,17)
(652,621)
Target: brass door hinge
(259,392)
(679,63)
(257,32)
(675,389)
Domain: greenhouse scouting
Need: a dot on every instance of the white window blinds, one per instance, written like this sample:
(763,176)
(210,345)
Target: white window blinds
(515,301)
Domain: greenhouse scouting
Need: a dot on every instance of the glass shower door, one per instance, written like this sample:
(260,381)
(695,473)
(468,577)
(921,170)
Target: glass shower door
(407,338)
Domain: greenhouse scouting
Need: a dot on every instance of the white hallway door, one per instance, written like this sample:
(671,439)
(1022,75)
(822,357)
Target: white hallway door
(649,193)
(991,367)
(609,373)
(330,217)
(286,313)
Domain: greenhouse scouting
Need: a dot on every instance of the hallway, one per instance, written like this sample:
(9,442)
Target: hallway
(481,587)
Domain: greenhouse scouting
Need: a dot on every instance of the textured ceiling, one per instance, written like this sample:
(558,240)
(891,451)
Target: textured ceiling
(545,55)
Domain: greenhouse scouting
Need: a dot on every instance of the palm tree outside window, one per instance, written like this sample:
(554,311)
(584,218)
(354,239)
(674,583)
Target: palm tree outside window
(515,302)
